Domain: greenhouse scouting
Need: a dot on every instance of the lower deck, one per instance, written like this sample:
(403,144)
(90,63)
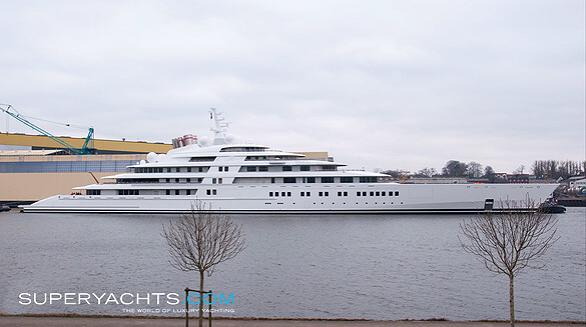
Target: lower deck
(373,198)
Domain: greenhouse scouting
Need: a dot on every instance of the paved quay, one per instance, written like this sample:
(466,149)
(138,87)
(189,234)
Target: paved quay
(6,321)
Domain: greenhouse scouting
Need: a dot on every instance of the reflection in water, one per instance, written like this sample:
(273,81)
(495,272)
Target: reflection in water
(377,267)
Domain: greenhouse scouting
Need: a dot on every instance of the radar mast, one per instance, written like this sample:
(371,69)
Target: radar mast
(220,127)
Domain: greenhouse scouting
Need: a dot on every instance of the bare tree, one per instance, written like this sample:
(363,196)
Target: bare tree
(454,168)
(510,241)
(426,172)
(474,169)
(200,240)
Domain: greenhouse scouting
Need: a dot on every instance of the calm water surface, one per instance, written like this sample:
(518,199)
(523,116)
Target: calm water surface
(378,267)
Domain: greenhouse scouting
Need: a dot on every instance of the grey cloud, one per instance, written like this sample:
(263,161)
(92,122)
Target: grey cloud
(386,84)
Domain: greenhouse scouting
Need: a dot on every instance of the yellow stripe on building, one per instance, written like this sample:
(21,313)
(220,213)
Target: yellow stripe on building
(41,141)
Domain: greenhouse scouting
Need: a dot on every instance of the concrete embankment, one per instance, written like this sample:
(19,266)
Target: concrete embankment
(23,321)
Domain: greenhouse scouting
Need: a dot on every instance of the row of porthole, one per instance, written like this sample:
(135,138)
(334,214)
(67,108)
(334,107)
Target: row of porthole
(341,193)
(356,203)
(335,203)
(377,193)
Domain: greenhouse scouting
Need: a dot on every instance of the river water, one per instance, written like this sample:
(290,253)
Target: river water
(374,267)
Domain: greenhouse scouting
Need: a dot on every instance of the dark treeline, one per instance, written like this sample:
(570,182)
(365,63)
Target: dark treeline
(556,169)
(542,169)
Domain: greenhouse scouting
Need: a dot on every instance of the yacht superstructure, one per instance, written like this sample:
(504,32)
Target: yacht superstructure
(251,178)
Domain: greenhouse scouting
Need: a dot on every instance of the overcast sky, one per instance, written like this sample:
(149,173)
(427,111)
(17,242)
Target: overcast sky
(378,84)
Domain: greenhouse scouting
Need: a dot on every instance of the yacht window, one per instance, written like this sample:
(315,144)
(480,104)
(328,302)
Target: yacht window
(167,180)
(311,179)
(320,194)
(396,193)
(168,170)
(383,193)
(346,179)
(213,181)
(209,192)
(339,193)
(327,193)
(377,193)
(176,180)
(176,192)
(188,192)
(302,193)
(308,193)
(225,168)
(189,169)
(243,149)
(288,193)
(220,168)
(283,194)
(168,192)
(214,192)
(219,181)
(200,169)
(327,179)
(357,193)
(289,180)
(277,194)
(363,193)
(287,168)
(304,168)
(270,193)
(272,180)
(345,193)
(251,168)
(199,159)
(177,169)
(188,180)
(263,168)
(371,193)
(328,167)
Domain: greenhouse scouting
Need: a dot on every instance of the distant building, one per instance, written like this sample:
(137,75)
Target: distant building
(518,178)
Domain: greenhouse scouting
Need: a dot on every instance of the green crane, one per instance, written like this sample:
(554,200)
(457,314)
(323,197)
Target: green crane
(88,144)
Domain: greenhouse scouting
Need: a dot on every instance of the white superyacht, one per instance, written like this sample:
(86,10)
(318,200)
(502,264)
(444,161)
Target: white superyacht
(250,178)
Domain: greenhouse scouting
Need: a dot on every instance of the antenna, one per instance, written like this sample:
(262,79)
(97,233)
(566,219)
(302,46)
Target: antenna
(220,126)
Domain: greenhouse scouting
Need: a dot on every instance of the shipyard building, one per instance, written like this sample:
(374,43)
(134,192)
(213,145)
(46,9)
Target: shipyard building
(33,167)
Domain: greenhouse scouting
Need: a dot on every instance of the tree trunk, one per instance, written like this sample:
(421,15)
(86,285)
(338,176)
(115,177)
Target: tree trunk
(201,297)
(511,301)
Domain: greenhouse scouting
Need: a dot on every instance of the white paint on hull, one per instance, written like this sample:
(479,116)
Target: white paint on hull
(412,198)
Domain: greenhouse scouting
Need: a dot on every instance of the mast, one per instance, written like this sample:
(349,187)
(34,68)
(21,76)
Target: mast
(220,127)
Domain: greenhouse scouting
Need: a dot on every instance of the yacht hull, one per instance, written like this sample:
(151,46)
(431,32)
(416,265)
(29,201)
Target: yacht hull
(340,199)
